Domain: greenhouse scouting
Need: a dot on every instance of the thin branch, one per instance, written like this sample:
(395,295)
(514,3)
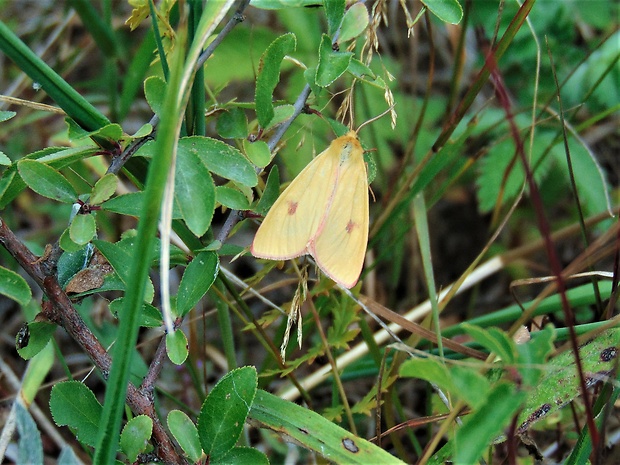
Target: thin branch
(60,310)
(118,162)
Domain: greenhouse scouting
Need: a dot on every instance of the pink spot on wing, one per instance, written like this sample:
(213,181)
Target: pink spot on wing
(292,208)
(350,227)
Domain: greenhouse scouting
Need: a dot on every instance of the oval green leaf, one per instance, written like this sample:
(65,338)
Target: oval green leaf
(185,433)
(135,436)
(82,229)
(194,192)
(270,193)
(258,152)
(239,455)
(131,205)
(269,76)
(150,316)
(354,22)
(4,160)
(74,405)
(46,181)
(334,10)
(331,64)
(39,334)
(281,113)
(221,159)
(225,410)
(104,189)
(67,244)
(14,286)
(449,11)
(154,91)
(232,124)
(197,279)
(176,347)
(231,198)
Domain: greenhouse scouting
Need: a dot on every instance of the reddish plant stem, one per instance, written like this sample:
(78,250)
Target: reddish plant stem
(545,231)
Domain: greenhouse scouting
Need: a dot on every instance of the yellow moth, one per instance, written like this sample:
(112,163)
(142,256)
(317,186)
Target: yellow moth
(322,213)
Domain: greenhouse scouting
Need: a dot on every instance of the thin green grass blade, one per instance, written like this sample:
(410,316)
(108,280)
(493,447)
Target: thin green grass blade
(67,98)
(107,442)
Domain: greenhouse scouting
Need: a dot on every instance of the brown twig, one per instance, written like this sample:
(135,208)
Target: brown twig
(60,310)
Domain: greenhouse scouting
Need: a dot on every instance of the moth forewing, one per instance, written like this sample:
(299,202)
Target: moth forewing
(324,213)
(297,214)
(340,246)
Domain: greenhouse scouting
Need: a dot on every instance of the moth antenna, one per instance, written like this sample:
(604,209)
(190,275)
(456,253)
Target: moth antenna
(375,118)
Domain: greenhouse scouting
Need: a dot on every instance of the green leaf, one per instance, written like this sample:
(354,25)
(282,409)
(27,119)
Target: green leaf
(176,347)
(242,455)
(112,132)
(154,91)
(56,157)
(185,433)
(6,115)
(60,157)
(284,4)
(150,316)
(121,256)
(14,286)
(225,410)
(74,405)
(194,192)
(482,426)
(131,205)
(135,436)
(232,124)
(334,10)
(560,384)
(494,340)
(38,335)
(70,263)
(67,244)
(46,181)
(271,192)
(221,159)
(533,354)
(258,152)
(29,445)
(104,189)
(469,385)
(83,228)
(449,11)
(316,433)
(428,369)
(269,76)
(39,367)
(231,198)
(4,160)
(332,64)
(281,113)
(144,131)
(196,281)
(354,23)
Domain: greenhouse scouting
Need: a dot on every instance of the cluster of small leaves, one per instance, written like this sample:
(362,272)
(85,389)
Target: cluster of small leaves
(218,429)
